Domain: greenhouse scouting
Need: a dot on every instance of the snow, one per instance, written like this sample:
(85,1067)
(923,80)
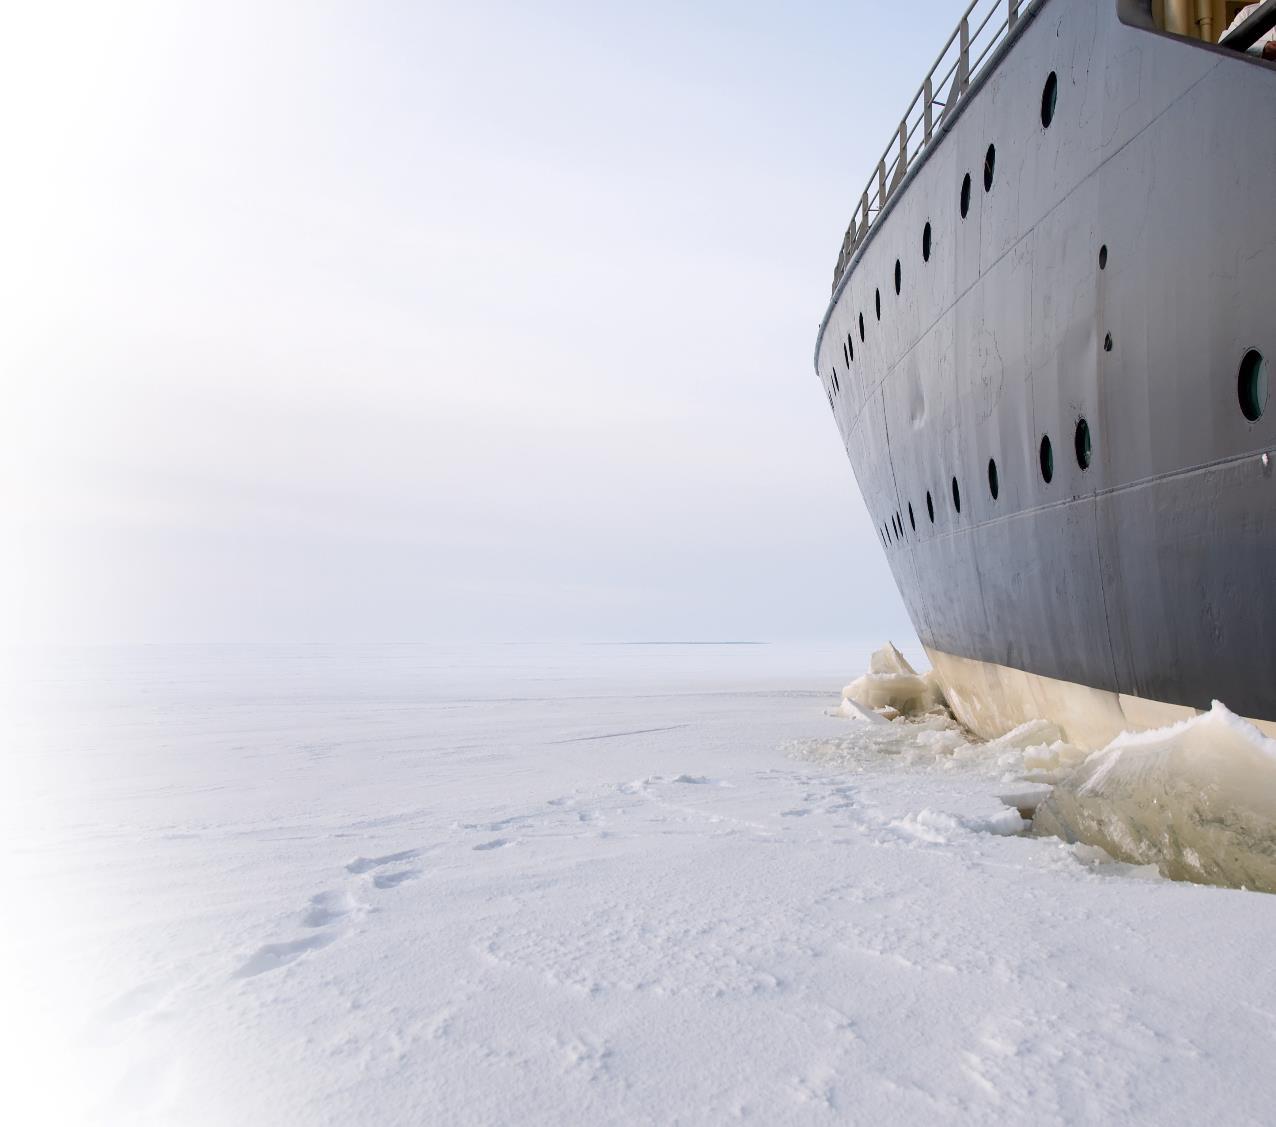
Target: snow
(380,884)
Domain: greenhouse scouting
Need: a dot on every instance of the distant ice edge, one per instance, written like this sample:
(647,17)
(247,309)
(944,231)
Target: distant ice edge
(1196,799)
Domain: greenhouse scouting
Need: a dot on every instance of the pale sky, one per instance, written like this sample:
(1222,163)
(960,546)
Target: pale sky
(414,321)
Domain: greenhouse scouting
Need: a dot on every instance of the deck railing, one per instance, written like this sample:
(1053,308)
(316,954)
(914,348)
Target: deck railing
(983,26)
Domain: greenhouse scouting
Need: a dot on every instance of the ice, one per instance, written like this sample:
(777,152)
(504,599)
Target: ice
(1194,801)
(853,710)
(545,884)
(1054,761)
(1197,800)
(892,684)
(1031,735)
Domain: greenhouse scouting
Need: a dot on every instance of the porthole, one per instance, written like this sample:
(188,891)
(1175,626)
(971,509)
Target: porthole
(1103,257)
(1107,342)
(1049,96)
(912,519)
(861,328)
(1047,459)
(990,165)
(899,276)
(877,302)
(1081,444)
(930,507)
(965,196)
(993,485)
(956,496)
(1251,386)
(926,242)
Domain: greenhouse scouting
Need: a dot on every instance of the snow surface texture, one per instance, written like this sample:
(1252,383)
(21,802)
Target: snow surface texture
(1196,800)
(372,885)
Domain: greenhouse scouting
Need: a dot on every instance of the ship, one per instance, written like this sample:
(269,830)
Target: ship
(1047,353)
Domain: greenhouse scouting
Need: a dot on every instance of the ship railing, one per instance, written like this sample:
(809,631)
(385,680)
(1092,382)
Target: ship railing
(962,58)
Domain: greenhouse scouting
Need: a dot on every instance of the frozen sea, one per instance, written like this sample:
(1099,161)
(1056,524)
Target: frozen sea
(572,884)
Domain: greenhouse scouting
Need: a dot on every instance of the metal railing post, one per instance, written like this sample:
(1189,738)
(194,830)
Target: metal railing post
(1186,16)
(1176,17)
(1204,21)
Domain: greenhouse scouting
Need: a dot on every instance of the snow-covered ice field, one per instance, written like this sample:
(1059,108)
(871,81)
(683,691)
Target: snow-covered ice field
(572,884)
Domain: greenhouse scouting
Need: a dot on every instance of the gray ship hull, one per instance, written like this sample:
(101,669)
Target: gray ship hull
(1120,268)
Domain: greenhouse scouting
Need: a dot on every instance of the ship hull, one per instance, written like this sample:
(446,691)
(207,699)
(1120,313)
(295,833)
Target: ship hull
(992,699)
(1120,269)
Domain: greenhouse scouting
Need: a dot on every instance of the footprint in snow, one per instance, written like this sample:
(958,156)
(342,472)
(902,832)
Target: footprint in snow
(274,956)
(367,864)
(503,824)
(495,843)
(327,908)
(393,880)
(140,1002)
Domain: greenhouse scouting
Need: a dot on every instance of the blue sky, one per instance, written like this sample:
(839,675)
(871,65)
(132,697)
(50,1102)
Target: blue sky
(409,321)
